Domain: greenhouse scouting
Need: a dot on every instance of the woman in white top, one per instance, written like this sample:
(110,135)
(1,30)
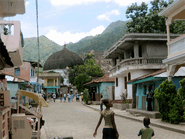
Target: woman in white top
(109,130)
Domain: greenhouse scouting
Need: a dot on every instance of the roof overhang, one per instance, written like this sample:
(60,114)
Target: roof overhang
(171,8)
(11,7)
(33,64)
(128,40)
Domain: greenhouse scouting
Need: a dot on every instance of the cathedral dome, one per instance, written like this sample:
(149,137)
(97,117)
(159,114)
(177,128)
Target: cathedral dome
(62,59)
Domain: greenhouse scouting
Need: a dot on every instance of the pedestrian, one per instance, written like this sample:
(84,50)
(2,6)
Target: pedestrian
(69,97)
(146,132)
(64,97)
(77,97)
(101,103)
(61,97)
(54,97)
(109,130)
(72,97)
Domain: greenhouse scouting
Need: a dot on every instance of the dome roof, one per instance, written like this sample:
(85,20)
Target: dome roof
(62,59)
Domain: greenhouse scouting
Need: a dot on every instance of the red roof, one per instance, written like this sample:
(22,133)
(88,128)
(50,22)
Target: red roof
(104,78)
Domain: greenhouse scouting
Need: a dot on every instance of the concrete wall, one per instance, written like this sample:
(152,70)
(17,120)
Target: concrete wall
(156,49)
(25,70)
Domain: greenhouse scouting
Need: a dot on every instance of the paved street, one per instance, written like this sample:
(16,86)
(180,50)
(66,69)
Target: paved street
(74,119)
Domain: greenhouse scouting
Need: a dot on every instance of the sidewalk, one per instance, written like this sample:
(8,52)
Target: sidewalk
(154,122)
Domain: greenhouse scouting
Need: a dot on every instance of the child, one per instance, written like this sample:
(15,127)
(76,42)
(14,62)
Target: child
(109,130)
(146,132)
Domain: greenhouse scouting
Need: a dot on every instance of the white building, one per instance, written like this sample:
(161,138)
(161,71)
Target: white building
(133,56)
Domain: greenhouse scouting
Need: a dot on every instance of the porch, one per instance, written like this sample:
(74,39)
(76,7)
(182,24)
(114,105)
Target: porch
(151,114)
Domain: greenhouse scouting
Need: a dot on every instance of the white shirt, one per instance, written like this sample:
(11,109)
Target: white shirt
(54,96)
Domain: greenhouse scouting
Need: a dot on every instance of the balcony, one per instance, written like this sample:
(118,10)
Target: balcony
(12,39)
(49,75)
(138,63)
(176,53)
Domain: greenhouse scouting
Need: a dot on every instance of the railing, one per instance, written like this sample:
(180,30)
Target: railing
(177,45)
(137,61)
(12,38)
(46,74)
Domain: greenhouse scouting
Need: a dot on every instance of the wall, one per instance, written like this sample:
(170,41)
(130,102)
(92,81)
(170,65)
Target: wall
(156,49)
(104,89)
(119,89)
(25,69)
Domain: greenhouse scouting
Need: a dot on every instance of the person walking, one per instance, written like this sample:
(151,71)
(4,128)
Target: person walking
(61,95)
(146,132)
(68,96)
(109,130)
(101,103)
(54,97)
(64,97)
(72,96)
(77,97)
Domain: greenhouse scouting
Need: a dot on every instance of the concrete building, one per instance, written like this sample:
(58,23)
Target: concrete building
(176,47)
(51,81)
(135,55)
(100,86)
(143,84)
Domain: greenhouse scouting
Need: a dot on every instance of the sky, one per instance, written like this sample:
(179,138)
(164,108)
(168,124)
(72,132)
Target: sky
(65,21)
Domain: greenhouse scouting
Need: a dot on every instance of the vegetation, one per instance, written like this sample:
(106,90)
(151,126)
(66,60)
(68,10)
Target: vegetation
(82,74)
(148,21)
(86,96)
(61,79)
(101,42)
(170,103)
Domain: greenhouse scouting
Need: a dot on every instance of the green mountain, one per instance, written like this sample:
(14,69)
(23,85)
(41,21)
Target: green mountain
(100,42)
(47,47)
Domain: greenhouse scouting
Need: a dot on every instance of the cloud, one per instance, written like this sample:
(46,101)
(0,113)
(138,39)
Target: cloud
(106,16)
(68,37)
(80,2)
(27,2)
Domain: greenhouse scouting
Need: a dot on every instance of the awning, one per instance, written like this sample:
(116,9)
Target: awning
(51,87)
(34,96)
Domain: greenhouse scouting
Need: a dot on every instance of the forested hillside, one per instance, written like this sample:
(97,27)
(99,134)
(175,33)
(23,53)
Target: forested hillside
(101,42)
(47,47)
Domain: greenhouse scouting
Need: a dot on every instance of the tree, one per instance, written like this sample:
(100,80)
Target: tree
(88,57)
(80,80)
(149,22)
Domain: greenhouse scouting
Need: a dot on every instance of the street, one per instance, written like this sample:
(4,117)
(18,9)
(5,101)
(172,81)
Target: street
(78,121)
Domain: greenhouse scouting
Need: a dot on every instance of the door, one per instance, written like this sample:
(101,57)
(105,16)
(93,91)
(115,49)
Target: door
(140,96)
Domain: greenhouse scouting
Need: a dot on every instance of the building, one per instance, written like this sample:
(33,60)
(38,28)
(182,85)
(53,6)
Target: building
(11,54)
(100,86)
(51,81)
(60,61)
(176,47)
(133,56)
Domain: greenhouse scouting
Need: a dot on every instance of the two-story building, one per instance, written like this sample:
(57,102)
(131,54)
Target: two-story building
(51,81)
(176,47)
(135,55)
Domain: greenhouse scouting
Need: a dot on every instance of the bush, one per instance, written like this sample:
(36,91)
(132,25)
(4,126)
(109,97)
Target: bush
(181,91)
(86,96)
(170,103)
(164,95)
(176,113)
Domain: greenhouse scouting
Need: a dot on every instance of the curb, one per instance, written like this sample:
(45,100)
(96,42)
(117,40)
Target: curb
(137,120)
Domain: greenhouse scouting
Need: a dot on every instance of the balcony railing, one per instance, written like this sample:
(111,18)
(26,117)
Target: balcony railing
(12,38)
(137,62)
(177,46)
(46,74)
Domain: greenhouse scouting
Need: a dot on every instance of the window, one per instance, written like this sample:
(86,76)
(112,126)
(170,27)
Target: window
(116,82)
(125,82)
(129,76)
(17,72)
(145,89)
